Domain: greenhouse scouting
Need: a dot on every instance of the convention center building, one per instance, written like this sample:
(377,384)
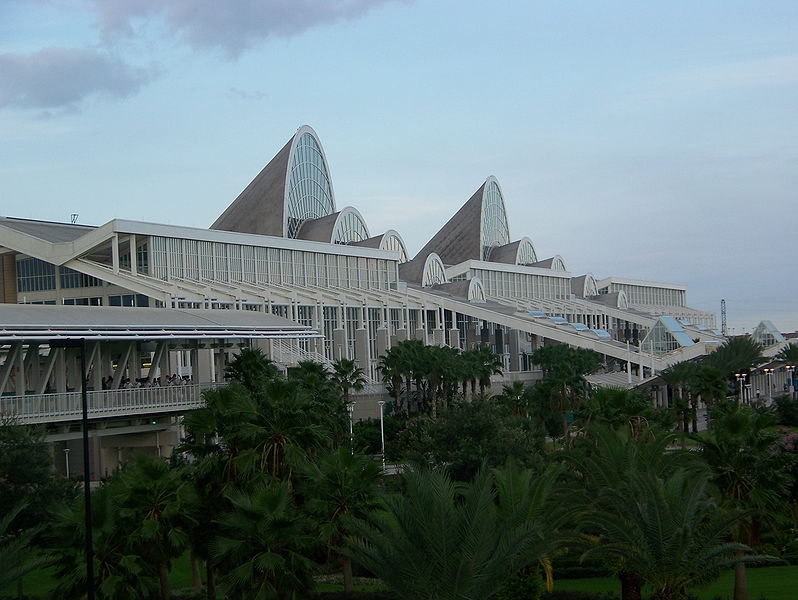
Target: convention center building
(285,247)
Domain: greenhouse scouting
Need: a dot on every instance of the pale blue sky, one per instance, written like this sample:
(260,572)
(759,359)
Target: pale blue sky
(645,140)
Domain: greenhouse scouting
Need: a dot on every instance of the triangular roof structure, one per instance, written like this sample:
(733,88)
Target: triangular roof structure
(295,186)
(767,335)
(479,226)
(666,336)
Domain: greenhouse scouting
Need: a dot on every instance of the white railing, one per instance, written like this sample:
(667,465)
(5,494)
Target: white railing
(290,353)
(53,408)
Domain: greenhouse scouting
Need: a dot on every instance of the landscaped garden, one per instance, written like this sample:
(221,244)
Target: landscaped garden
(539,491)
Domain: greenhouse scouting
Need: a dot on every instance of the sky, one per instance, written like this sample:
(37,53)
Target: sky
(654,141)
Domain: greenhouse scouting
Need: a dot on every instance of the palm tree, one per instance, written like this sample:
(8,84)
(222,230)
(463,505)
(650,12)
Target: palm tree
(749,475)
(251,368)
(262,546)
(606,460)
(119,572)
(788,354)
(666,531)
(347,376)
(515,395)
(488,363)
(390,368)
(441,541)
(341,490)
(679,378)
(737,354)
(151,498)
(16,550)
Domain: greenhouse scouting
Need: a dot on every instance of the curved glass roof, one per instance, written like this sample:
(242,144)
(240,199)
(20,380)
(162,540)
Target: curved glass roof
(392,241)
(349,228)
(476,292)
(526,253)
(310,193)
(495,231)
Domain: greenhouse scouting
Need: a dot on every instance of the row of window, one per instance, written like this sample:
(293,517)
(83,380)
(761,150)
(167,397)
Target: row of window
(643,294)
(34,275)
(197,260)
(523,285)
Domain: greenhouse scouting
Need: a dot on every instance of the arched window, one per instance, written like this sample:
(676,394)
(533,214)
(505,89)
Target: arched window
(349,227)
(591,289)
(558,264)
(526,253)
(393,241)
(495,231)
(476,293)
(434,271)
(310,194)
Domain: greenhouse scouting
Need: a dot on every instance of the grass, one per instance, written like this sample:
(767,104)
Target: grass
(773,583)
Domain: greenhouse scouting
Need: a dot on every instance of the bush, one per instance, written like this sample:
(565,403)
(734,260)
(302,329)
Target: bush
(787,411)
(526,585)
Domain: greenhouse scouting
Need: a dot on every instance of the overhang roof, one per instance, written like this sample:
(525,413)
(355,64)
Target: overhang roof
(26,322)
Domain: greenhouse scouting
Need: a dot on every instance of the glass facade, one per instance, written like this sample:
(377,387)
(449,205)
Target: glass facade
(34,275)
(645,294)
(522,285)
(495,231)
(309,188)
(198,260)
(75,279)
(434,272)
(394,242)
(349,228)
(526,253)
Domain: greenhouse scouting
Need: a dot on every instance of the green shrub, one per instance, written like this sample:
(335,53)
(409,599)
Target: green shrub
(526,585)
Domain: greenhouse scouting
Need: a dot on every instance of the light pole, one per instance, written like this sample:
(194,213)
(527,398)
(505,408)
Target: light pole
(769,372)
(741,380)
(791,371)
(66,461)
(351,410)
(382,431)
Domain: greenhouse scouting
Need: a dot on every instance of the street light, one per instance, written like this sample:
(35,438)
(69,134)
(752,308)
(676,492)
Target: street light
(791,371)
(350,407)
(741,380)
(66,461)
(382,431)
(769,372)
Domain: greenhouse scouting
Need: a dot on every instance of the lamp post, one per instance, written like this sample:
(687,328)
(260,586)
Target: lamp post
(84,399)
(741,380)
(791,371)
(350,408)
(66,461)
(382,431)
(769,372)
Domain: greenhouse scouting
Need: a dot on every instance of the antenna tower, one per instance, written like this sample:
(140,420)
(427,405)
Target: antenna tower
(73,218)
(723,316)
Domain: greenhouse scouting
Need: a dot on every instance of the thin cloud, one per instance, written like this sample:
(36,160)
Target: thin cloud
(62,78)
(231,27)
(773,70)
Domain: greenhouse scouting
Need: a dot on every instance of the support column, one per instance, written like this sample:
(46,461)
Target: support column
(383,341)
(362,354)
(454,338)
(340,349)
(514,341)
(115,252)
(133,258)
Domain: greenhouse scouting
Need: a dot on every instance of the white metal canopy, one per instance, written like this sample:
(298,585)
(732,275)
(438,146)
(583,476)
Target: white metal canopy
(25,322)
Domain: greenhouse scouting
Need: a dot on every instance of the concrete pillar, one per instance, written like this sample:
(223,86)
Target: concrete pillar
(204,367)
(383,341)
(32,367)
(454,338)
(20,383)
(401,336)
(115,253)
(60,370)
(134,262)
(421,334)
(340,349)
(438,337)
(219,357)
(362,354)
(513,340)
(472,336)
